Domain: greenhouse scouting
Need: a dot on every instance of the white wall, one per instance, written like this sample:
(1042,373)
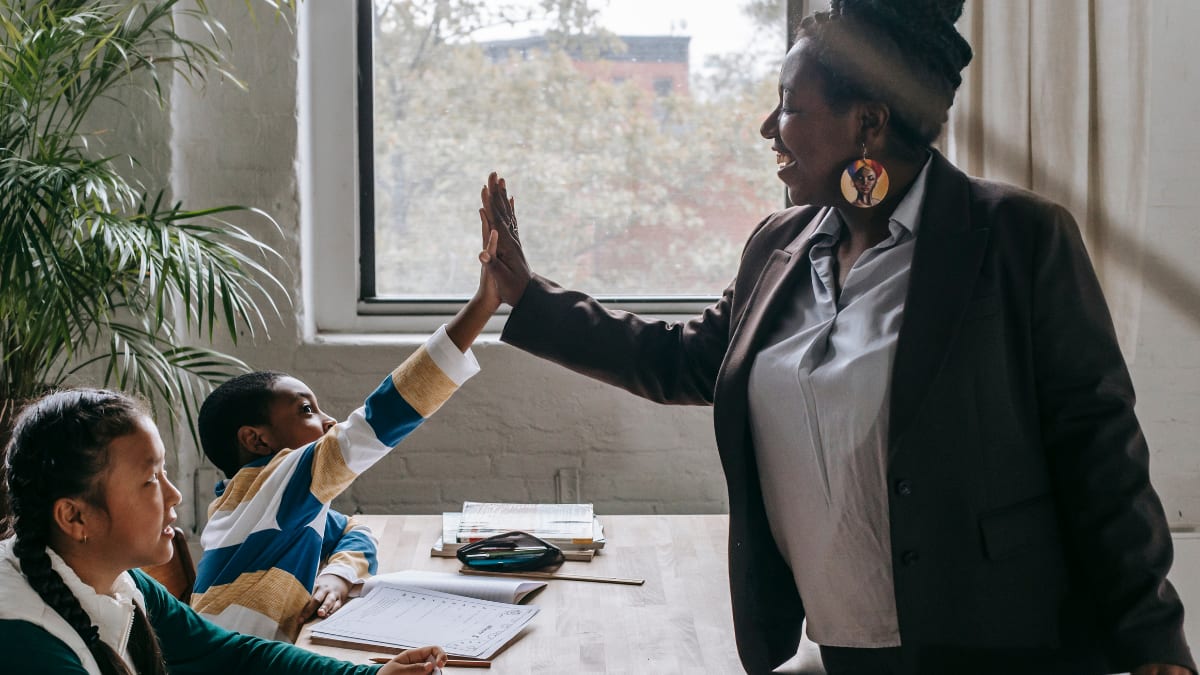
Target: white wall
(1166,370)
(525,430)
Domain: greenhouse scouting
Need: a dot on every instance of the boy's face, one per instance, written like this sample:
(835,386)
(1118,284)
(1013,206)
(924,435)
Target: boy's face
(294,418)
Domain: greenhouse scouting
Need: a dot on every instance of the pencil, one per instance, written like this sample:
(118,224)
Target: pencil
(549,575)
(452,663)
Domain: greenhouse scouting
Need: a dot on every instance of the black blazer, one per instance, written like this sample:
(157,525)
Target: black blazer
(1021,509)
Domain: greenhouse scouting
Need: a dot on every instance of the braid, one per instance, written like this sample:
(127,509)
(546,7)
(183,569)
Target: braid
(30,549)
(59,449)
(143,645)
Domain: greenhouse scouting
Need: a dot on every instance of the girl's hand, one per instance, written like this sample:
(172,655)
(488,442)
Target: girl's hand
(419,660)
(506,265)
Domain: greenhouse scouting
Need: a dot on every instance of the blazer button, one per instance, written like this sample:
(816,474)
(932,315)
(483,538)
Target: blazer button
(904,487)
(909,558)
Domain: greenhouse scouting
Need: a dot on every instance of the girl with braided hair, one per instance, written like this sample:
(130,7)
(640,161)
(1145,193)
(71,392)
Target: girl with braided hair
(90,503)
(923,415)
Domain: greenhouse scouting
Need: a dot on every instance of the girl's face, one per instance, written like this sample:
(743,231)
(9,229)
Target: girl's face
(134,528)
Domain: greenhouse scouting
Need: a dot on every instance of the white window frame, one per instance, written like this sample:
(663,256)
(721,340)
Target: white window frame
(329,188)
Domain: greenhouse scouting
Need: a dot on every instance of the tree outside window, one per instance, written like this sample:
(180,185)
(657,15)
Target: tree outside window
(635,173)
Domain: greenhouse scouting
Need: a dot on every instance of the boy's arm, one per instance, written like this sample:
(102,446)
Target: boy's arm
(351,549)
(414,391)
(311,477)
(349,552)
(468,323)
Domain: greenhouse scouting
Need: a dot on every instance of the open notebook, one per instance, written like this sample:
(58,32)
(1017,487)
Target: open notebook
(468,616)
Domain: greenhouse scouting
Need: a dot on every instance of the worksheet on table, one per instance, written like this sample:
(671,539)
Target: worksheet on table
(400,616)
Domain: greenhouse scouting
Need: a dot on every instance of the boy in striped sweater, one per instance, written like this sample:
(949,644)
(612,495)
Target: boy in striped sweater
(275,553)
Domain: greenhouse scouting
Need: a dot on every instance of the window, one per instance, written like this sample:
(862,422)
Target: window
(628,133)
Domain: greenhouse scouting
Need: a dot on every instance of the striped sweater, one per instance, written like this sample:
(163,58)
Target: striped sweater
(271,527)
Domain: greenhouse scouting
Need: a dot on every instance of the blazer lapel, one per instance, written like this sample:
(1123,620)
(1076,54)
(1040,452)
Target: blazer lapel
(945,266)
(781,271)
(778,274)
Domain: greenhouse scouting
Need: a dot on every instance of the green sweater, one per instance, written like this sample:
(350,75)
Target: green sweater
(189,644)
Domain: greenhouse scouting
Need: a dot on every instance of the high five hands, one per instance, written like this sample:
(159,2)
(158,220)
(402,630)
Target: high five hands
(502,255)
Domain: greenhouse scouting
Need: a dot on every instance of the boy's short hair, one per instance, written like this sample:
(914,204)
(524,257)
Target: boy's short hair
(243,400)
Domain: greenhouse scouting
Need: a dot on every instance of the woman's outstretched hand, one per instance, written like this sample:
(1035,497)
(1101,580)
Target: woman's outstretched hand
(505,260)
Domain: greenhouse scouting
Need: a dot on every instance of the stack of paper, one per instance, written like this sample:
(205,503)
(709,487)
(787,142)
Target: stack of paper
(571,527)
(565,523)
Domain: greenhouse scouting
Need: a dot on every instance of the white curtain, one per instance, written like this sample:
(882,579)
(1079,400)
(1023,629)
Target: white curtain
(1056,100)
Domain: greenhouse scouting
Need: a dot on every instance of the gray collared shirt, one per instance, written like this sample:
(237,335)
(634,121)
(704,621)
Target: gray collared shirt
(819,394)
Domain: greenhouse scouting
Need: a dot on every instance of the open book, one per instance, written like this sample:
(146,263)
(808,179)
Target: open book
(403,610)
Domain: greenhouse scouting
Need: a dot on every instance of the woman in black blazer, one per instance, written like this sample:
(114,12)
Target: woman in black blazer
(923,415)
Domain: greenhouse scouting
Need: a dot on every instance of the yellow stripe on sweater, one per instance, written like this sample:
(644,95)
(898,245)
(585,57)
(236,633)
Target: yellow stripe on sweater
(330,475)
(274,593)
(422,383)
(355,560)
(245,484)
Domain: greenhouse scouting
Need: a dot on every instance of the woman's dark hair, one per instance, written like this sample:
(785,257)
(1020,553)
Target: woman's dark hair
(905,53)
(59,448)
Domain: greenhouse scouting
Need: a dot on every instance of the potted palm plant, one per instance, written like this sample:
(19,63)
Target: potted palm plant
(99,272)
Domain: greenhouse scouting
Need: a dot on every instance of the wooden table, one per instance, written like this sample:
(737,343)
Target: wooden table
(679,621)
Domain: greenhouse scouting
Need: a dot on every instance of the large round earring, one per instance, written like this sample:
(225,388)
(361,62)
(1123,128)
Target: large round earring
(864,182)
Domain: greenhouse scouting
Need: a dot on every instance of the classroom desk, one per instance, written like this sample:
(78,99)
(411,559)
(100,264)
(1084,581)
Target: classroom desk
(679,621)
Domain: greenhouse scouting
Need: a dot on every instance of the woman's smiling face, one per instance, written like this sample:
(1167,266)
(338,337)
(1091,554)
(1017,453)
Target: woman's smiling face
(812,141)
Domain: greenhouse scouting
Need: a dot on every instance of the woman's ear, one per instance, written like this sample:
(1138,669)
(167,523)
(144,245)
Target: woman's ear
(873,120)
(70,517)
(251,440)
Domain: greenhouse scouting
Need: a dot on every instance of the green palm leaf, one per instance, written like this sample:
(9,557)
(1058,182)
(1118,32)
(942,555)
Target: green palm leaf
(99,275)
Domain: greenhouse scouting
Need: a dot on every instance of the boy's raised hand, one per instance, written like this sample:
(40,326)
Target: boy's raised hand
(329,593)
(469,322)
(506,261)
(487,293)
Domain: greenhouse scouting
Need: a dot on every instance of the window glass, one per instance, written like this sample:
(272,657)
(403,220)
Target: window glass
(627,131)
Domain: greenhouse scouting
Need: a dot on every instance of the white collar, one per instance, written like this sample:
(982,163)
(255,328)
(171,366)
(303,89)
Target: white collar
(112,614)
